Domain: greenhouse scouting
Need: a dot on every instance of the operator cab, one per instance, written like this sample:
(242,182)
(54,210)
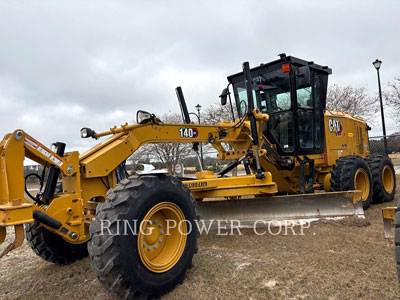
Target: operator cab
(293,92)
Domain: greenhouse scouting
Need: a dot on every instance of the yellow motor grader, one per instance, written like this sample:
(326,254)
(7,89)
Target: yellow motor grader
(301,161)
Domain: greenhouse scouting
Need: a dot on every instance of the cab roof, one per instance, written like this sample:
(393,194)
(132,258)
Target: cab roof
(287,59)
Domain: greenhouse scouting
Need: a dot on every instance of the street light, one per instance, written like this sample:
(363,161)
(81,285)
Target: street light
(198,107)
(377,64)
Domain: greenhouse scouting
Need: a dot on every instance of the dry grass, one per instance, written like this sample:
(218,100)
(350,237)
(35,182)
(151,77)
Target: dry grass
(333,260)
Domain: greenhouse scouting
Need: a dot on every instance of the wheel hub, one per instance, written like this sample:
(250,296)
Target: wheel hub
(152,234)
(388,179)
(361,182)
(159,248)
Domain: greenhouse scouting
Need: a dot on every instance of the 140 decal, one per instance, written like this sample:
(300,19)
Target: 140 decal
(189,133)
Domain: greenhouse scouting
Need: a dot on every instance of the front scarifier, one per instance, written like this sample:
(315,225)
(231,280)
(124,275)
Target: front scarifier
(150,261)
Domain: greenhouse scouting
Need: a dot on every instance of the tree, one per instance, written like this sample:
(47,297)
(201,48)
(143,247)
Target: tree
(216,113)
(169,153)
(353,100)
(393,96)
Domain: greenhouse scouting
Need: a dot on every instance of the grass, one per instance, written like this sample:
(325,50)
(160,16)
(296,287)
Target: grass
(333,260)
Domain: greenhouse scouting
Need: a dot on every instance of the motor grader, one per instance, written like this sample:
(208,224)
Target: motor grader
(301,161)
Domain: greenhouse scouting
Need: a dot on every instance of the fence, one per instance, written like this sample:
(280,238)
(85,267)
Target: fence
(377,144)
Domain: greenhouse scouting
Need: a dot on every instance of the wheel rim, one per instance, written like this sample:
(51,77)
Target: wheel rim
(388,179)
(361,182)
(160,249)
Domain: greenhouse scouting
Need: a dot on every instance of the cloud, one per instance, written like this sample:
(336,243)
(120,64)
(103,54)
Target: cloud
(72,64)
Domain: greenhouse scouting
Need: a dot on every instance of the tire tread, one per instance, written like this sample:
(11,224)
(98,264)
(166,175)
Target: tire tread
(342,178)
(41,240)
(104,253)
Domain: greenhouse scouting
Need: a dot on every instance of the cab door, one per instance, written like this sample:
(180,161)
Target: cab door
(309,109)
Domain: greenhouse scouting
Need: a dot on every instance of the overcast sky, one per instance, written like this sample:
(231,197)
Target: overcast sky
(69,64)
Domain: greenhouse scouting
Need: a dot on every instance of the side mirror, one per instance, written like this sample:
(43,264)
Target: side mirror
(224,95)
(143,117)
(303,77)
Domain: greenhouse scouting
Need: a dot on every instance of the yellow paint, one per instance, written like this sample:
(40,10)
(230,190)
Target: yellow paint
(362,183)
(14,215)
(388,179)
(389,213)
(88,176)
(339,141)
(232,186)
(344,142)
(161,248)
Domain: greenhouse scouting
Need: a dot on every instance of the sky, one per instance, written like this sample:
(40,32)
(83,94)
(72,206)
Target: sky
(65,65)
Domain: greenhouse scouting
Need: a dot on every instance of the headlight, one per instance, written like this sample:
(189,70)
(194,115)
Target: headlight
(87,132)
(84,133)
(143,117)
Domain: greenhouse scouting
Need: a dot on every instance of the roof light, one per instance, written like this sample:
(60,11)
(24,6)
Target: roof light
(285,68)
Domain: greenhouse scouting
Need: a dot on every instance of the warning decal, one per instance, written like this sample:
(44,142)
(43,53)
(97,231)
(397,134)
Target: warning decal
(30,143)
(56,161)
(43,151)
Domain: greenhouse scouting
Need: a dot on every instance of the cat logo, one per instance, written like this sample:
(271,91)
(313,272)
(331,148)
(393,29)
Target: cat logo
(335,126)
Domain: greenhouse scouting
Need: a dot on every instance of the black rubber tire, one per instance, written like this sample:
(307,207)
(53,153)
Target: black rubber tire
(343,172)
(52,247)
(376,163)
(397,240)
(115,258)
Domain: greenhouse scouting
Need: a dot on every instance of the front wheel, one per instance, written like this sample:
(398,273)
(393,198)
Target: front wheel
(51,246)
(144,236)
(352,173)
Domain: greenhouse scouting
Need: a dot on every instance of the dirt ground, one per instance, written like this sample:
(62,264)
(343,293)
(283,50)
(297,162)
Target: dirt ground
(332,260)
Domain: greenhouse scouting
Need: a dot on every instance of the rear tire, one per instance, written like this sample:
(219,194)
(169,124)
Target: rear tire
(52,247)
(383,178)
(123,263)
(352,173)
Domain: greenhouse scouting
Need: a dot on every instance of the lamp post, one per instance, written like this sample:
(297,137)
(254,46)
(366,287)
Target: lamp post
(377,64)
(198,107)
